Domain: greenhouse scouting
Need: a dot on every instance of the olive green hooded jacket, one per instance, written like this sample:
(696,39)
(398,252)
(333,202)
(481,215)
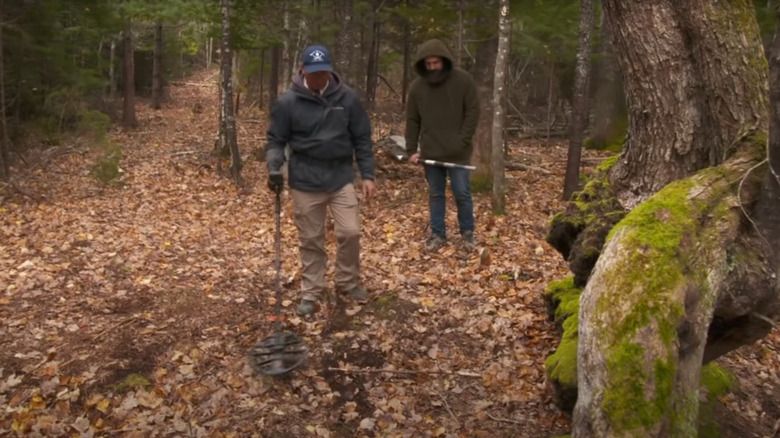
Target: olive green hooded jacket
(442,109)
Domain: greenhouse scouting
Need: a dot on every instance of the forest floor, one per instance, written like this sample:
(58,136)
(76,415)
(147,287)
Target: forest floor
(128,308)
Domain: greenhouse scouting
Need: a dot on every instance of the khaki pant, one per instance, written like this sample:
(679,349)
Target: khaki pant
(310,209)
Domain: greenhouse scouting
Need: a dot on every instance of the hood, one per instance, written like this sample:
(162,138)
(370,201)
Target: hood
(432,48)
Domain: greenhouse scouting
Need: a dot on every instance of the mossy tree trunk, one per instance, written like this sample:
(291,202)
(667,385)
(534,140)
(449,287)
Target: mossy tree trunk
(684,277)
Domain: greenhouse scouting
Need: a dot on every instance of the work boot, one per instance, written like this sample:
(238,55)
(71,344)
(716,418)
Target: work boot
(468,240)
(306,307)
(358,293)
(435,242)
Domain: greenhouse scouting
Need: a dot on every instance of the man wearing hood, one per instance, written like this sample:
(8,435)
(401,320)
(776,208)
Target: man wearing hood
(441,117)
(326,127)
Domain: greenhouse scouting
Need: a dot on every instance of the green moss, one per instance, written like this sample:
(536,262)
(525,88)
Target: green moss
(608,163)
(659,231)
(717,381)
(565,298)
(481,183)
(625,399)
(106,168)
(562,365)
(133,381)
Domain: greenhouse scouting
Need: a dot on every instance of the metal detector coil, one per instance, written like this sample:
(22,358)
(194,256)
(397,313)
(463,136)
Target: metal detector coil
(278,354)
(282,352)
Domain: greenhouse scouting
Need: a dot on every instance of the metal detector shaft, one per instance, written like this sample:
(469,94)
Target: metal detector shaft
(278,263)
(438,163)
(445,164)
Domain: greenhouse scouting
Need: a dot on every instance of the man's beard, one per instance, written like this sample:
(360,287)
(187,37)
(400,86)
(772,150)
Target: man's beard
(436,77)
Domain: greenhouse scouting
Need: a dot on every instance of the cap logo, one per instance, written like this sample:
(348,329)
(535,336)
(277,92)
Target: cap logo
(317,56)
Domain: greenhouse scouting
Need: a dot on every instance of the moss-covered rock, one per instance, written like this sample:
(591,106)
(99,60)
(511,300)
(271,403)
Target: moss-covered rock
(563,299)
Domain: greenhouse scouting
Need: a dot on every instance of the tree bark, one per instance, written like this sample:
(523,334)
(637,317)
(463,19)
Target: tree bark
(227,134)
(407,56)
(483,143)
(498,199)
(157,83)
(129,119)
(610,108)
(768,208)
(580,110)
(372,67)
(699,57)
(273,75)
(343,50)
(5,156)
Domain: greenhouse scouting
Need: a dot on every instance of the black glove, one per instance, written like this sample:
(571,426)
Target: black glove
(275,180)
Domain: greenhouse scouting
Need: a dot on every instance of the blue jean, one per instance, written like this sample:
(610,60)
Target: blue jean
(437,199)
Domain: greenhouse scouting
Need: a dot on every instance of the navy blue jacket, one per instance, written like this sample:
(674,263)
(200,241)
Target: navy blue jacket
(325,134)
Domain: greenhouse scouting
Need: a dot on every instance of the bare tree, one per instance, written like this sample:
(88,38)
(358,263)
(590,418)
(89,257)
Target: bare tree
(343,49)
(227,127)
(157,83)
(273,79)
(571,181)
(499,94)
(129,119)
(372,68)
(5,156)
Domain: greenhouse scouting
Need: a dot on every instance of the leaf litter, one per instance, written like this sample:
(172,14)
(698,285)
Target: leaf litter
(129,307)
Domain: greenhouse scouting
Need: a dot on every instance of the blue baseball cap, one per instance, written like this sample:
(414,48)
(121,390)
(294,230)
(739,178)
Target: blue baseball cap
(316,58)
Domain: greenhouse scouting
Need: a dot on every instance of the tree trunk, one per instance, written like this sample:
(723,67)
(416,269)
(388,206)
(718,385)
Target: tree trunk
(227,130)
(5,156)
(300,41)
(157,86)
(287,61)
(128,114)
(261,78)
(372,69)
(273,76)
(579,110)
(459,47)
(112,69)
(407,56)
(483,143)
(609,121)
(683,278)
(343,50)
(768,208)
(688,123)
(499,94)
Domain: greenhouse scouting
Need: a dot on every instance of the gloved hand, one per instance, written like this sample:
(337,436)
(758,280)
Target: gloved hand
(275,180)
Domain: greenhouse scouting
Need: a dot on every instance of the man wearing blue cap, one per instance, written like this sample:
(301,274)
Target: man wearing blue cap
(326,127)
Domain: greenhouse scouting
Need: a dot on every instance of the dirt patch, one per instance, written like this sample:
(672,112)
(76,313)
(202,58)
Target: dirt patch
(129,354)
(392,308)
(351,387)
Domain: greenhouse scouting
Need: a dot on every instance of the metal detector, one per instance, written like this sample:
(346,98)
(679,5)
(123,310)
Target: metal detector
(282,352)
(398,150)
